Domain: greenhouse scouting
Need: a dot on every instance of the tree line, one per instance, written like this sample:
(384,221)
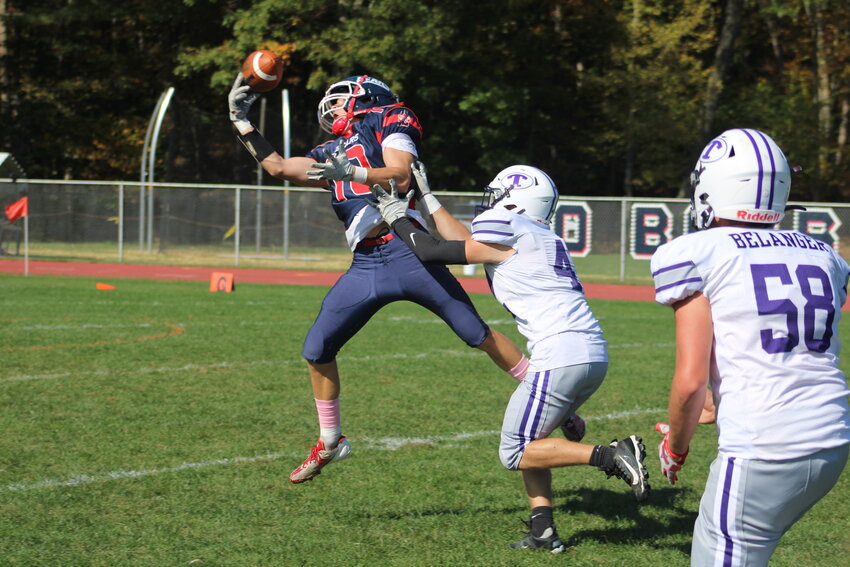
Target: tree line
(611,97)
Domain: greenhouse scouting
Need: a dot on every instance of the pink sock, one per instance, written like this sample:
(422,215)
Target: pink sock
(329,422)
(520,369)
(328,412)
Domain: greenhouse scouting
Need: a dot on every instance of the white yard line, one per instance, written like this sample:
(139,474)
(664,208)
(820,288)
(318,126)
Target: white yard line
(226,364)
(367,444)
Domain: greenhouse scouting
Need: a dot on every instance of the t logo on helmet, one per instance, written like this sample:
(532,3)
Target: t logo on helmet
(519,180)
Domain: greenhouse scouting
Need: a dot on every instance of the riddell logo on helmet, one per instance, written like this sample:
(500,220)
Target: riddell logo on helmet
(758,217)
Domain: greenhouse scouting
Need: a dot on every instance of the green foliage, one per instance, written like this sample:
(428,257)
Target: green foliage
(607,96)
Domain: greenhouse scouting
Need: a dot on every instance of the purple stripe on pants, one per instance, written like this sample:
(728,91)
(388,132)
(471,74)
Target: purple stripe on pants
(544,390)
(724,512)
(526,435)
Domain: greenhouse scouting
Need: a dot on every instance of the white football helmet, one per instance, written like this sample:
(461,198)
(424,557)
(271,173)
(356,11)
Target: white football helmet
(523,189)
(741,175)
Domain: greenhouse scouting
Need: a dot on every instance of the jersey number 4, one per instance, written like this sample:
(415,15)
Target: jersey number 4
(816,289)
(564,267)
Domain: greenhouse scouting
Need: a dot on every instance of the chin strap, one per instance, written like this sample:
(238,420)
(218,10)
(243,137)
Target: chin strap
(342,125)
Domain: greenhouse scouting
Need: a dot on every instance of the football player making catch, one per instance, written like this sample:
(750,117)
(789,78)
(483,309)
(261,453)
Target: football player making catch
(375,140)
(532,275)
(756,313)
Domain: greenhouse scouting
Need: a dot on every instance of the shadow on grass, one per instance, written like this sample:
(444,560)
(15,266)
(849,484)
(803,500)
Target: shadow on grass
(655,523)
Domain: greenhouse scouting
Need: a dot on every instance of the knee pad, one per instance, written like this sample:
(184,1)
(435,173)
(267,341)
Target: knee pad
(316,348)
(510,455)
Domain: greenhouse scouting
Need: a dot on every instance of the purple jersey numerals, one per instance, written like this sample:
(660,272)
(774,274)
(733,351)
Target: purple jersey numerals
(563,266)
(817,331)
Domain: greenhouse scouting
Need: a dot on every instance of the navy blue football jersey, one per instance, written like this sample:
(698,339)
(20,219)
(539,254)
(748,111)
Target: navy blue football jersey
(363,147)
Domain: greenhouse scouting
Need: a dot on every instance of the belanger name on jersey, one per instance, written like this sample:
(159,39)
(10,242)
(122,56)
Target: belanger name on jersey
(765,239)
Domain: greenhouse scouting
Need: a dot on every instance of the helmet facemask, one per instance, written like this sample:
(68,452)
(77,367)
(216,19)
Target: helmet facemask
(701,212)
(354,95)
(490,197)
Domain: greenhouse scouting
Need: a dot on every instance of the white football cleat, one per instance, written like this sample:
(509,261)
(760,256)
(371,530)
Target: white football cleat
(319,458)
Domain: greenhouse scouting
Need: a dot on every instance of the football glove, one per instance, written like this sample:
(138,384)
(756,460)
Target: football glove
(337,168)
(429,202)
(239,100)
(671,463)
(390,205)
(574,428)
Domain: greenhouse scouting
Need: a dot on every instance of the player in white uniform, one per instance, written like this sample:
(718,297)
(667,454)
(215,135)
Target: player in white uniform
(757,314)
(533,277)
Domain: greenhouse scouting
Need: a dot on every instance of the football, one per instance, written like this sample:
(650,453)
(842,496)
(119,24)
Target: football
(262,70)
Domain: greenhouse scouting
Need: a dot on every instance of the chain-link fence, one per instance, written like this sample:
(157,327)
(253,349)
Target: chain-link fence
(610,238)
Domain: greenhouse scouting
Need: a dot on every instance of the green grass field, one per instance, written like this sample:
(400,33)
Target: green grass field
(156,425)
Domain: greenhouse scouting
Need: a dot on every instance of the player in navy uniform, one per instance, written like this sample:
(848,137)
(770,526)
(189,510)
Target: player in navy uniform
(376,139)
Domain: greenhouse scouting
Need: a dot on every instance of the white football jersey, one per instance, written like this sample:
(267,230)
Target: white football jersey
(776,298)
(539,287)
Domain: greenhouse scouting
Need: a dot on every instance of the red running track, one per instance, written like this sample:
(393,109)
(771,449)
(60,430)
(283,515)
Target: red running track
(265,276)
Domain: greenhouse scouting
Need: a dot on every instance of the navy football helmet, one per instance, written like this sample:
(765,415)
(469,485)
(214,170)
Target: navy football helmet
(355,95)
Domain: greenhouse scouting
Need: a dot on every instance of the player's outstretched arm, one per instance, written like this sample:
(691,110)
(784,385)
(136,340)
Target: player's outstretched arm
(428,248)
(239,101)
(449,227)
(338,167)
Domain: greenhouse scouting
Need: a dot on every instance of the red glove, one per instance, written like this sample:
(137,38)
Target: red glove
(671,463)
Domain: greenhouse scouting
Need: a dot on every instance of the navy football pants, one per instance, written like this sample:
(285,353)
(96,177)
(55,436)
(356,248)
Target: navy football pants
(378,276)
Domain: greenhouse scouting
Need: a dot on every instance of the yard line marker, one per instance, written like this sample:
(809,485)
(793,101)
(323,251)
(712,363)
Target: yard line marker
(366,443)
(228,364)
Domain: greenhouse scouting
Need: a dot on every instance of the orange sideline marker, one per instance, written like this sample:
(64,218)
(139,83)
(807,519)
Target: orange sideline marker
(222,281)
(103,286)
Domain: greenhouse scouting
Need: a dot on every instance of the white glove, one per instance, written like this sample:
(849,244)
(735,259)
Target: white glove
(337,168)
(240,99)
(671,463)
(390,205)
(430,204)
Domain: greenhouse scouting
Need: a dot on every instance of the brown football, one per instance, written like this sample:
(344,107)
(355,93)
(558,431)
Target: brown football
(262,70)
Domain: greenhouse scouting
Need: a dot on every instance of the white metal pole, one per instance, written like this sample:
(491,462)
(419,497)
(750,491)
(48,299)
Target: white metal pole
(286,153)
(144,171)
(238,210)
(120,223)
(258,232)
(27,243)
(623,246)
(152,162)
